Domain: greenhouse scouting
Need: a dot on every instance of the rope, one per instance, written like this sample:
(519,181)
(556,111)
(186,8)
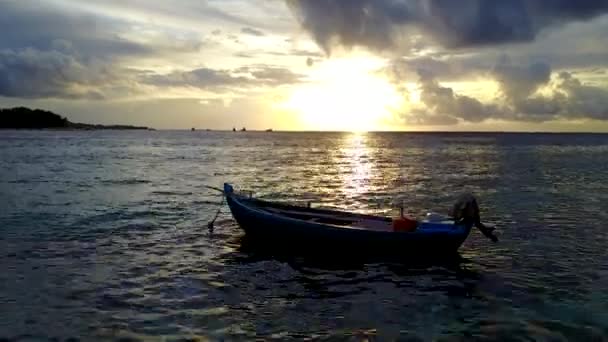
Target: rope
(212,222)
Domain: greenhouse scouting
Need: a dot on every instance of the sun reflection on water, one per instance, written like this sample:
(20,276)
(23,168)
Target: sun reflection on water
(357,168)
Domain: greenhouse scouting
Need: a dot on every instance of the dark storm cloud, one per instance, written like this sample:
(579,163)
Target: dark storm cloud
(377,23)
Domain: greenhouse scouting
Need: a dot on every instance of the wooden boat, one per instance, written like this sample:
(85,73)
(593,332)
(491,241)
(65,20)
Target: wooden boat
(314,229)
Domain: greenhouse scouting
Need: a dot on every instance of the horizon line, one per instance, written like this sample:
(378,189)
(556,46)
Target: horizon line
(382,131)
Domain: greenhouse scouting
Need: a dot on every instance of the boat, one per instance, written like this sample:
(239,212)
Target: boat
(290,226)
(269,130)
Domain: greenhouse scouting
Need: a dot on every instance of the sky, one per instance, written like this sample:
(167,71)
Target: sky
(338,65)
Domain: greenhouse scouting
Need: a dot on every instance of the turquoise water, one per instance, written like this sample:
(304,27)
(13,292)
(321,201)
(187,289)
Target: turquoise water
(103,235)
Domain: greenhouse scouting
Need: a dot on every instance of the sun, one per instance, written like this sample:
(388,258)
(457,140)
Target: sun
(345,95)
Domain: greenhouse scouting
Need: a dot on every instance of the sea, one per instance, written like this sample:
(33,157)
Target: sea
(104,236)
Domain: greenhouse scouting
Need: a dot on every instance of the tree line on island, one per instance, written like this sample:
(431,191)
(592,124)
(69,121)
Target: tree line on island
(26,118)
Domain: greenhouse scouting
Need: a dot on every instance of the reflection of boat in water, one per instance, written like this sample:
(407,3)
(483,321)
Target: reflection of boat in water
(269,130)
(282,225)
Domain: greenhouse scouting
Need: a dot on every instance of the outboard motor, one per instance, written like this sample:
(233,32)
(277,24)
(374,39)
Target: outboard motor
(466,210)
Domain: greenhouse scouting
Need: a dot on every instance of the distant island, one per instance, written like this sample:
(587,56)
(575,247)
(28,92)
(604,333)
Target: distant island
(26,118)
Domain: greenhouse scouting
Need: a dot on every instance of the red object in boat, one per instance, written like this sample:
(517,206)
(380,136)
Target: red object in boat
(404,224)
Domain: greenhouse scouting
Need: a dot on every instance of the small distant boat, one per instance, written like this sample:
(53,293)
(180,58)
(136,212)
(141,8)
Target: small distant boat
(290,226)
(233,129)
(269,130)
(243,129)
(193,129)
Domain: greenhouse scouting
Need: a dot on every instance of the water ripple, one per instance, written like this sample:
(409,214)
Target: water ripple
(103,236)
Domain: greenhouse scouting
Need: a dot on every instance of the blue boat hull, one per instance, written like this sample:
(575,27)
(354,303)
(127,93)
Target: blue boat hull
(286,232)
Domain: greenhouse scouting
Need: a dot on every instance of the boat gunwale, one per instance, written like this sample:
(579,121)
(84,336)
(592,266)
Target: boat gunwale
(313,210)
(459,230)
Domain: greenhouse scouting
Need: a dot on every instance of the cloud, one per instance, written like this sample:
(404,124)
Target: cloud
(243,55)
(410,68)
(66,53)
(223,80)
(520,82)
(295,52)
(443,106)
(427,118)
(203,78)
(195,14)
(572,47)
(565,97)
(380,24)
(570,99)
(272,75)
(95,34)
(305,53)
(42,27)
(536,109)
(81,51)
(583,100)
(86,49)
(252,32)
(31,73)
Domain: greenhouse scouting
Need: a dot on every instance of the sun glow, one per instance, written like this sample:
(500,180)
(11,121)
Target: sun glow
(345,95)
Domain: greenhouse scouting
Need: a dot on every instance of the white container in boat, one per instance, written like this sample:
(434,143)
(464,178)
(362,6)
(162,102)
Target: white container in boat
(434,217)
